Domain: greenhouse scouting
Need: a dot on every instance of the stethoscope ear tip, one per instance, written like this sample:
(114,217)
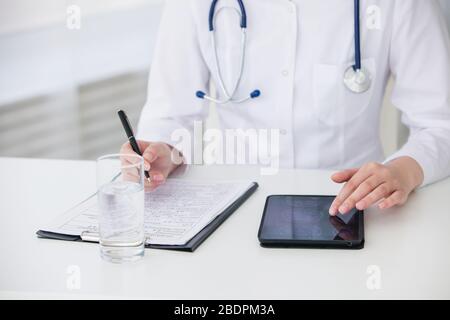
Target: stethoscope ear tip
(255,94)
(200,94)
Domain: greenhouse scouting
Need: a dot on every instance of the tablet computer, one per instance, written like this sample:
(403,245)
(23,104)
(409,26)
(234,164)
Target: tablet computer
(304,221)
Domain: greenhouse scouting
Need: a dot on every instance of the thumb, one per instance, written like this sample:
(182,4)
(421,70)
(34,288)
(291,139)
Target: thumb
(343,176)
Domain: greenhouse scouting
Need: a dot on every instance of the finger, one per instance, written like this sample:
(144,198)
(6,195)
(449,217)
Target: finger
(337,223)
(157,177)
(154,151)
(132,161)
(348,189)
(366,187)
(382,191)
(344,175)
(396,198)
(131,176)
(126,149)
(131,167)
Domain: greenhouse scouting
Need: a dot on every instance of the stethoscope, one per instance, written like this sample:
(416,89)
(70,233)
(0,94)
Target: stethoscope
(230,96)
(356,78)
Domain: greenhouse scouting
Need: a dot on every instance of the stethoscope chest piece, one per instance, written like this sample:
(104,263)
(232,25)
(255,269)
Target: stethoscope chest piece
(357,80)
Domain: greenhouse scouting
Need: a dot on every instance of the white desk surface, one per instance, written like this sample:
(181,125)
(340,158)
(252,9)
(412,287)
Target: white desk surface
(409,245)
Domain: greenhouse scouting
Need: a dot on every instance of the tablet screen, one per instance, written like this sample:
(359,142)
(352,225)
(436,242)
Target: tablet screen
(307,218)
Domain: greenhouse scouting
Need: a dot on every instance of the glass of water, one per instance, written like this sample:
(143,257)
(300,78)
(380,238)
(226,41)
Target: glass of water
(120,183)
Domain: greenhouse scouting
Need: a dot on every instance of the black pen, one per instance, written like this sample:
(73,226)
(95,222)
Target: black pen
(130,135)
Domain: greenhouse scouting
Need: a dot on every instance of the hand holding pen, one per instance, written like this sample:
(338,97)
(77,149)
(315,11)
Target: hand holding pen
(157,155)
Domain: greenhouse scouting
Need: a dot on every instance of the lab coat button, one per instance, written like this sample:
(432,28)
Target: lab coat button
(285,73)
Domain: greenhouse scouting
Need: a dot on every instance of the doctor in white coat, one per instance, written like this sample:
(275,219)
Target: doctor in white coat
(297,52)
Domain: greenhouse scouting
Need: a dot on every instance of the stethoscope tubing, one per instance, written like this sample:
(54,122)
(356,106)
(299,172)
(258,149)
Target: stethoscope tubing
(357,79)
(229,95)
(357,31)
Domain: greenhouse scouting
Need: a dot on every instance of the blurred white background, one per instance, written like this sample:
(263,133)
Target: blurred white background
(60,87)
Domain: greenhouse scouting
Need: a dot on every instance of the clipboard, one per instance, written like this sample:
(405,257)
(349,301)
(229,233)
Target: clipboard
(190,246)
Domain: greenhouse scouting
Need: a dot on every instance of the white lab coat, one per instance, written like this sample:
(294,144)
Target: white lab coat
(297,52)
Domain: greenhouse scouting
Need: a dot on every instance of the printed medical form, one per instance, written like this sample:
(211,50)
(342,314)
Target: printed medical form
(174,213)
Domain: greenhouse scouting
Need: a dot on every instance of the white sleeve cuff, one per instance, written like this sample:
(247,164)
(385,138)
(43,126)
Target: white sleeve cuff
(420,155)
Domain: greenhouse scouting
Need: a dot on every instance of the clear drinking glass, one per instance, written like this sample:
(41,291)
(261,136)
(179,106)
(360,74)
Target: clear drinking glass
(120,183)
